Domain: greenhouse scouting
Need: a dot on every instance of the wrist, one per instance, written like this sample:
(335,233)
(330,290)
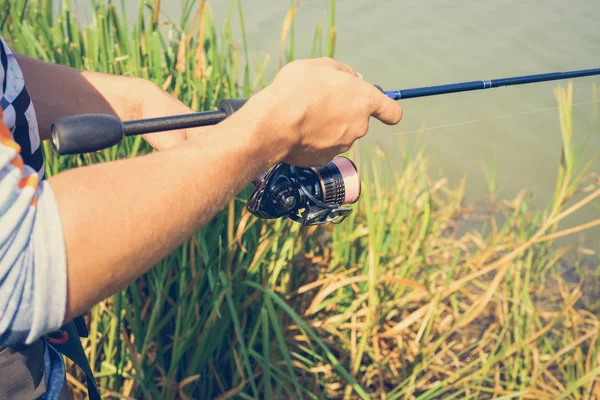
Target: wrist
(258,140)
(261,119)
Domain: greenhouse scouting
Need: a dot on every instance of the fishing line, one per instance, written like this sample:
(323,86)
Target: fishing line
(493,118)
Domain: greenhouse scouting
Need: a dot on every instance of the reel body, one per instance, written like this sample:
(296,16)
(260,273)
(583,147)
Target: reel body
(309,196)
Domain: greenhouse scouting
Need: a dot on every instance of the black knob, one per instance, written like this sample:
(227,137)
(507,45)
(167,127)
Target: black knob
(283,200)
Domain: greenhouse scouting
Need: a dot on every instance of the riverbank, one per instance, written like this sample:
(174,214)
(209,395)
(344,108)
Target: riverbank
(399,301)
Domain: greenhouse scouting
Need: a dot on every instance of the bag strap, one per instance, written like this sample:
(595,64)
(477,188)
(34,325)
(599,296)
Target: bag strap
(69,344)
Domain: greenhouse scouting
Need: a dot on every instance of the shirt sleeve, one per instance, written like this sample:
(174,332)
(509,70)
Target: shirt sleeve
(33,280)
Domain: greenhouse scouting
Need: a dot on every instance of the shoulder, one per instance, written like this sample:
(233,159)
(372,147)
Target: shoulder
(18,110)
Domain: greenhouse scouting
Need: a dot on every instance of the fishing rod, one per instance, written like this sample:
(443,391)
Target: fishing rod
(310,196)
(487,84)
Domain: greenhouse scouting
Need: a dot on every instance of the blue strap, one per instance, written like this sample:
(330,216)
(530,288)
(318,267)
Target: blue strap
(73,349)
(55,371)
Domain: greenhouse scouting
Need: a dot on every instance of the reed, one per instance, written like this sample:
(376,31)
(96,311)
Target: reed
(395,303)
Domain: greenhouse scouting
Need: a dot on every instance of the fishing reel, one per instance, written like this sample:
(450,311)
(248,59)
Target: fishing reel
(309,196)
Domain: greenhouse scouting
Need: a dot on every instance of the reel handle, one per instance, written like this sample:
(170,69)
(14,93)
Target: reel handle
(85,133)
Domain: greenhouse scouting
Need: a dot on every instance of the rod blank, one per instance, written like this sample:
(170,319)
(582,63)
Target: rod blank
(486,84)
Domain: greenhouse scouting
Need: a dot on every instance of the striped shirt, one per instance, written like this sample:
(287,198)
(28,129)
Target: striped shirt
(19,114)
(32,249)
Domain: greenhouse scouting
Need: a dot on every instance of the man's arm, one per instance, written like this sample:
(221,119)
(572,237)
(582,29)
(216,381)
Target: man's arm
(119,219)
(57,91)
(122,218)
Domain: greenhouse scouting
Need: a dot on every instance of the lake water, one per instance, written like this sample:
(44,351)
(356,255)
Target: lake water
(404,44)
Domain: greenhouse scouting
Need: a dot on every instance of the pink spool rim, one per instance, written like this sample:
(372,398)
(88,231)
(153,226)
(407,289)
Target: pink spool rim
(351,179)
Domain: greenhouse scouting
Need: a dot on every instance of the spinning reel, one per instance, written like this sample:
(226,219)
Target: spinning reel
(309,196)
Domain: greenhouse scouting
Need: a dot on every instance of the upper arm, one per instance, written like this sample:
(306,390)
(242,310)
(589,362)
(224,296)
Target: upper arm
(32,261)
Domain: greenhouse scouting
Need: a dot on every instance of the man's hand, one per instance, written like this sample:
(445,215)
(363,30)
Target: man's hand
(159,103)
(317,109)
(57,91)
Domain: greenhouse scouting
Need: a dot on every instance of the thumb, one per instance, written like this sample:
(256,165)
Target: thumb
(384,108)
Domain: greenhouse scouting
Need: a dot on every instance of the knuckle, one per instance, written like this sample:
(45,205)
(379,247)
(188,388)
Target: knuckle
(349,68)
(361,129)
(329,62)
(296,67)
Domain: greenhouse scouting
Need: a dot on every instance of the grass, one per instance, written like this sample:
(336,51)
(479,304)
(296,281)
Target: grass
(395,303)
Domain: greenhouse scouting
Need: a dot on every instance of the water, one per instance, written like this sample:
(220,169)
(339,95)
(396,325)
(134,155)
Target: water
(403,44)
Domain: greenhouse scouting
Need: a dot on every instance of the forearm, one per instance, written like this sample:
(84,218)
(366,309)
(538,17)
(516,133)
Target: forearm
(57,91)
(121,218)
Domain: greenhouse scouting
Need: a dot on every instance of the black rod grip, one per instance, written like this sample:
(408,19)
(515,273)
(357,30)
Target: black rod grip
(92,132)
(163,124)
(86,133)
(193,120)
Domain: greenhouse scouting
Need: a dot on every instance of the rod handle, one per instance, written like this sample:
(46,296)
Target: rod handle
(86,133)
